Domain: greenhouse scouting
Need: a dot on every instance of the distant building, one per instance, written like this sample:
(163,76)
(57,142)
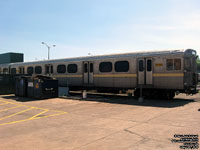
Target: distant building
(11,58)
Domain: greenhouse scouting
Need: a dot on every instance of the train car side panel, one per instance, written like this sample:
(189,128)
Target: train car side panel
(168,72)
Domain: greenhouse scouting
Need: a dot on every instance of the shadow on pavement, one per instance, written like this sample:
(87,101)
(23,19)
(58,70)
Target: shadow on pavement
(116,99)
(130,100)
(20,99)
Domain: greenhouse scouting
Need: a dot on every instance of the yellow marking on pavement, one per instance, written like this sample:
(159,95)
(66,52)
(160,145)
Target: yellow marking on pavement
(37,107)
(39,114)
(12,103)
(10,108)
(30,108)
(14,122)
(3,104)
(16,113)
(23,105)
(51,115)
(32,118)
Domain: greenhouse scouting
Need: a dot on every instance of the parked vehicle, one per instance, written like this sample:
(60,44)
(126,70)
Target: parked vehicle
(160,73)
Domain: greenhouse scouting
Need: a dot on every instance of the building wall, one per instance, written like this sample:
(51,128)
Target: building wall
(11,58)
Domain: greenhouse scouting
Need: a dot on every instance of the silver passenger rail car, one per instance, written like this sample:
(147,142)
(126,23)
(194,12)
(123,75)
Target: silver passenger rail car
(159,73)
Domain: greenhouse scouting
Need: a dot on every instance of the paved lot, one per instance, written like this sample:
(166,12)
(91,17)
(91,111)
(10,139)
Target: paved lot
(96,123)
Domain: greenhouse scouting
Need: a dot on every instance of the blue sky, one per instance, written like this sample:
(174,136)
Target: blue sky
(79,27)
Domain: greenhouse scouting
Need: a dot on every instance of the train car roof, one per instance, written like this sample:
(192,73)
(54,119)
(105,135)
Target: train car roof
(100,57)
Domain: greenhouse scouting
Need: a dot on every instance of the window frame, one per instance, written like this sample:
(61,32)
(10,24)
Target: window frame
(149,68)
(141,68)
(173,64)
(117,64)
(11,71)
(103,62)
(85,67)
(5,72)
(72,69)
(59,72)
(28,70)
(91,68)
(35,69)
(179,64)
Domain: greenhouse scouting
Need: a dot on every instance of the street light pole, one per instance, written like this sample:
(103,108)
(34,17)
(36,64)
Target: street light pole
(48,49)
(48,52)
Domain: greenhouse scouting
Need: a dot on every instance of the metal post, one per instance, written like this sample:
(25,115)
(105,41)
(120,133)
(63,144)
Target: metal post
(48,52)
(84,94)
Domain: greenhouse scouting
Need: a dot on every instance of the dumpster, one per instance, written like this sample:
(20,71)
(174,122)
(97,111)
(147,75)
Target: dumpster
(41,87)
(21,86)
(30,87)
(7,83)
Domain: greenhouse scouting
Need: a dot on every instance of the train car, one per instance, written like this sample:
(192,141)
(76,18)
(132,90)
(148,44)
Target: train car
(158,73)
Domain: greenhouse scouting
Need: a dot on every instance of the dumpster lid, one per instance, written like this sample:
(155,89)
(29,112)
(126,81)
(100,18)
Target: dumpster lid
(42,77)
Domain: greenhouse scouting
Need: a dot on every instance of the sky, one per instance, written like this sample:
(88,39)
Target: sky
(80,27)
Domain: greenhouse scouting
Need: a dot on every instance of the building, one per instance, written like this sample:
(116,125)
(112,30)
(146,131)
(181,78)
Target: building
(11,58)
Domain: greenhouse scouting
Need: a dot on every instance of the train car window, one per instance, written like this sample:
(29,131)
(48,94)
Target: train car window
(61,68)
(72,68)
(105,67)
(38,69)
(91,67)
(30,70)
(149,68)
(169,64)
(13,71)
(5,70)
(122,66)
(85,67)
(177,64)
(141,65)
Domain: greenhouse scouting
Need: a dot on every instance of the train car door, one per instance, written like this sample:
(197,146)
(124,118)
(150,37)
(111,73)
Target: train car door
(48,69)
(88,72)
(21,70)
(149,71)
(141,71)
(145,71)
